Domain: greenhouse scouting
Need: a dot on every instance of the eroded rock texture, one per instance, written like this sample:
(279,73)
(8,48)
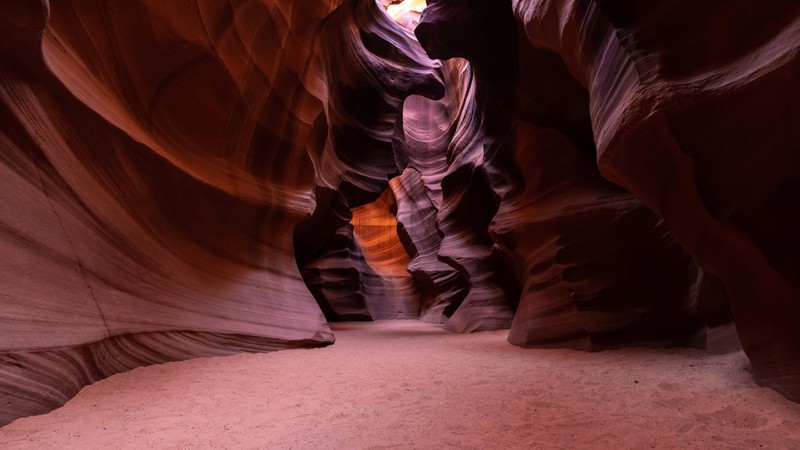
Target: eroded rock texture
(478,175)
(598,268)
(368,65)
(154,168)
(443,287)
(392,290)
(201,178)
(698,120)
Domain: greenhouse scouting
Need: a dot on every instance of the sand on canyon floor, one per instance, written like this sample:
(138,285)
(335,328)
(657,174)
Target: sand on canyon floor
(407,384)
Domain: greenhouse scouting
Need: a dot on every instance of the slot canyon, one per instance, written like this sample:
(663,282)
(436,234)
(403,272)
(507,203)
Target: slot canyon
(209,178)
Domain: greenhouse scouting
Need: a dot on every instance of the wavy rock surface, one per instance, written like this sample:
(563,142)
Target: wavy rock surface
(475,181)
(698,121)
(442,286)
(392,293)
(368,66)
(201,178)
(426,135)
(598,268)
(331,261)
(145,216)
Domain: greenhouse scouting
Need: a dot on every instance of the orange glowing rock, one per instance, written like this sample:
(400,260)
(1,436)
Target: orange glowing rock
(375,228)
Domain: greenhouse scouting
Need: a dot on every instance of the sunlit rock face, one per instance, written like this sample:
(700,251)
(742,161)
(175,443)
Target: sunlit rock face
(392,293)
(406,13)
(203,178)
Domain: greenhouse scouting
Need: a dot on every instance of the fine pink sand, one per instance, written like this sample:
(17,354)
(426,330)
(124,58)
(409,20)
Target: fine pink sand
(406,384)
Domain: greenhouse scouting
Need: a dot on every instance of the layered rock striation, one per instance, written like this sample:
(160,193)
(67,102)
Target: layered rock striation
(697,121)
(143,219)
(203,178)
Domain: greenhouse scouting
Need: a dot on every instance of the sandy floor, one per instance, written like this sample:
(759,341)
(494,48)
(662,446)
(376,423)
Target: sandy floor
(405,384)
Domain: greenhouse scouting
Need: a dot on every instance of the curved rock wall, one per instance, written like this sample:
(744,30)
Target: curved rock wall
(331,261)
(392,292)
(147,215)
(442,286)
(694,114)
(598,268)
(168,171)
(479,173)
(368,65)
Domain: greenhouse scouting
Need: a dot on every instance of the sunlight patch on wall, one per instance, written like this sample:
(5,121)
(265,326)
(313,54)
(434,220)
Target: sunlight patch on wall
(407,12)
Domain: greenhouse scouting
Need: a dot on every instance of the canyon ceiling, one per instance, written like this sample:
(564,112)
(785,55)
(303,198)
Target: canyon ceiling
(197,178)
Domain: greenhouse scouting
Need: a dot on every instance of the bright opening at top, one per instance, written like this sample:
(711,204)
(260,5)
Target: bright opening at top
(406,12)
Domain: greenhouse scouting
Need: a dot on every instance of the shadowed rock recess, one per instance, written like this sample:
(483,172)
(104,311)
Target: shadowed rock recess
(186,179)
